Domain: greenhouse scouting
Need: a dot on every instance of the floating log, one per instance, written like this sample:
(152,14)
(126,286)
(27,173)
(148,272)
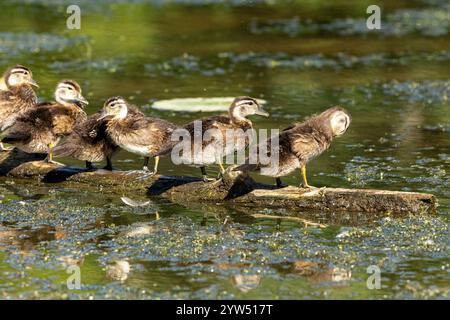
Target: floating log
(235,188)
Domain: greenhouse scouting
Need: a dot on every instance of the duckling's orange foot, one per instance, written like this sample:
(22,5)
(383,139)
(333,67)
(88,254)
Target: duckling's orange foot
(307,186)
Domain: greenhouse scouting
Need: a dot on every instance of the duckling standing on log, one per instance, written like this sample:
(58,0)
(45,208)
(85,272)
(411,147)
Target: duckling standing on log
(18,98)
(239,110)
(89,141)
(300,143)
(135,132)
(41,128)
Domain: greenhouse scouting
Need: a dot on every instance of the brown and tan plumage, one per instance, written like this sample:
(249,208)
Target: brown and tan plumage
(214,134)
(18,97)
(89,141)
(40,129)
(134,132)
(300,143)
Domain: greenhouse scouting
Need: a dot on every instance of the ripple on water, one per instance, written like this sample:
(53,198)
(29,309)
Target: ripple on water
(14,43)
(425,22)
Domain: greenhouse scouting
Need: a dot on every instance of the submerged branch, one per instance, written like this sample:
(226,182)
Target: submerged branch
(304,221)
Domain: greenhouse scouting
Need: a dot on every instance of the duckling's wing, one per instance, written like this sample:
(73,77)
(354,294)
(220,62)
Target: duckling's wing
(24,125)
(8,112)
(148,133)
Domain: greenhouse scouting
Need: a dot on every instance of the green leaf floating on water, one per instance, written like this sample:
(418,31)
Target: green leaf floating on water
(196,104)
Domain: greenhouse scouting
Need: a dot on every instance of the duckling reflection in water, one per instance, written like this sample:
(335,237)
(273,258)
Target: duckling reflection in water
(239,110)
(135,132)
(40,129)
(18,97)
(300,143)
(89,141)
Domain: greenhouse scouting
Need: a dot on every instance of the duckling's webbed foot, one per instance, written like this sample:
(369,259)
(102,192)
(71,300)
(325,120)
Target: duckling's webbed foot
(221,172)
(304,183)
(207,179)
(109,165)
(307,186)
(205,175)
(151,173)
(89,166)
(3,148)
(47,160)
(147,170)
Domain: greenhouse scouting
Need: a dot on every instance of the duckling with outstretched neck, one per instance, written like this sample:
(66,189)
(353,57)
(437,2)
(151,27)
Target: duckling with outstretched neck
(89,141)
(18,97)
(40,129)
(135,132)
(300,143)
(227,135)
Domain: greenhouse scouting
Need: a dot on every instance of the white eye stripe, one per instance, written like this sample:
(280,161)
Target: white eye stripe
(19,70)
(66,87)
(117,102)
(244,102)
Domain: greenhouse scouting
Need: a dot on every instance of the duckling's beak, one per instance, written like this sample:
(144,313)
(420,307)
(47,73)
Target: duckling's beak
(103,115)
(261,112)
(32,83)
(80,99)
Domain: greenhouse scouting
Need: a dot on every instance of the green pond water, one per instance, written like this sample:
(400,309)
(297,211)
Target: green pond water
(300,56)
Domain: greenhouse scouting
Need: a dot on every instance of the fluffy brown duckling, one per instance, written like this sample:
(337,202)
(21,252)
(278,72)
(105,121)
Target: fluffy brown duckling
(300,143)
(41,128)
(135,132)
(89,141)
(18,97)
(216,147)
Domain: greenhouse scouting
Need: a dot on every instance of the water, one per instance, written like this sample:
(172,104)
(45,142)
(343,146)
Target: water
(302,59)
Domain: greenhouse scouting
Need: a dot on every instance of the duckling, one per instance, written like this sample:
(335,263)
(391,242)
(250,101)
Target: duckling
(135,132)
(41,128)
(18,97)
(89,141)
(213,150)
(300,143)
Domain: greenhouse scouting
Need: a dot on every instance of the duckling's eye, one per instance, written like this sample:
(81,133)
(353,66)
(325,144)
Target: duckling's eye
(250,103)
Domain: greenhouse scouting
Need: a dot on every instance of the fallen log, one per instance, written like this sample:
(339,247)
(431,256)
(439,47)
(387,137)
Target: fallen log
(235,188)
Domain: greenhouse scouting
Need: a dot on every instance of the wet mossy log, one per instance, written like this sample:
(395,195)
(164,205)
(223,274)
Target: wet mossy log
(234,188)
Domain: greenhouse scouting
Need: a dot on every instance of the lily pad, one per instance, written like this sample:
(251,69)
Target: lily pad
(196,104)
